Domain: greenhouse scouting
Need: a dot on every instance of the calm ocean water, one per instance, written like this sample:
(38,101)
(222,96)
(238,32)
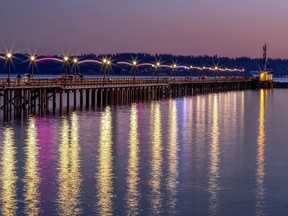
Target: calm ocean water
(216,154)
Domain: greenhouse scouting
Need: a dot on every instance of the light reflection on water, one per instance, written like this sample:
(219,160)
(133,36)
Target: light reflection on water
(69,178)
(206,155)
(242,112)
(172,180)
(31,178)
(75,176)
(213,183)
(8,173)
(104,173)
(260,174)
(190,111)
(133,193)
(157,160)
(63,178)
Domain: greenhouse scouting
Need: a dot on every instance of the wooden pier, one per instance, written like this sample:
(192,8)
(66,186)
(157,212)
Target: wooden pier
(43,96)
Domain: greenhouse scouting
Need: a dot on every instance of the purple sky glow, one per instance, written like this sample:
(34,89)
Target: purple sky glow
(188,27)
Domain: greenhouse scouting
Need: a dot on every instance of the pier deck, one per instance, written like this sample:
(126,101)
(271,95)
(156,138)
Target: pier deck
(41,96)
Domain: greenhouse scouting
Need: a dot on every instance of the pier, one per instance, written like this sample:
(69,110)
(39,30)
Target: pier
(44,96)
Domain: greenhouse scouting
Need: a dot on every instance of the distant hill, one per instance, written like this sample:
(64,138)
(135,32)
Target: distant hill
(21,64)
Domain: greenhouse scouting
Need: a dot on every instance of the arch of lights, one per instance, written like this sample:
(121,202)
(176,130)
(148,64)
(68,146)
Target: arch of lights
(127,63)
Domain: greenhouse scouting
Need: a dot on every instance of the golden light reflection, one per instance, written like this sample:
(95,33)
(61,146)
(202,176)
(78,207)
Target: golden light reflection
(8,175)
(227,111)
(190,119)
(133,165)
(260,192)
(198,114)
(75,176)
(228,99)
(242,102)
(104,175)
(209,100)
(69,178)
(198,130)
(190,113)
(172,157)
(235,109)
(157,160)
(214,160)
(31,178)
(184,105)
(203,109)
(198,107)
(63,177)
(242,110)
(202,112)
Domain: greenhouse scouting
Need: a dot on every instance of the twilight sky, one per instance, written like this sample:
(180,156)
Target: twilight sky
(190,27)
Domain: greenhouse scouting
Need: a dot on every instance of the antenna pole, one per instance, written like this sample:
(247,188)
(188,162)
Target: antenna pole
(265,56)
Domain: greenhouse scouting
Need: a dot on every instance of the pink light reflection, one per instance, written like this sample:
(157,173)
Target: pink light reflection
(165,66)
(144,64)
(48,59)
(182,66)
(47,158)
(89,61)
(126,63)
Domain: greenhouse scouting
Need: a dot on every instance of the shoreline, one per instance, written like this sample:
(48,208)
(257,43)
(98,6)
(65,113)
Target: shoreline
(280,84)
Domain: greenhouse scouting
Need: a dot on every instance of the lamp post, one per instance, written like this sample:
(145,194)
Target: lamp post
(158,69)
(204,71)
(235,70)
(134,66)
(226,70)
(104,66)
(9,58)
(108,63)
(191,67)
(174,67)
(75,62)
(32,60)
(66,60)
(215,71)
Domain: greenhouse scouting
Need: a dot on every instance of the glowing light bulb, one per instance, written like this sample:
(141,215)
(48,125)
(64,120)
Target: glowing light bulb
(66,58)
(75,60)
(9,55)
(32,58)
(134,63)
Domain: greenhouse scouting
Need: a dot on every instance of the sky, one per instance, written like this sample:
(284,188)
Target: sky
(230,28)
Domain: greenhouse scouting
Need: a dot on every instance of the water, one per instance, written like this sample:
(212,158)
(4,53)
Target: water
(280,79)
(216,154)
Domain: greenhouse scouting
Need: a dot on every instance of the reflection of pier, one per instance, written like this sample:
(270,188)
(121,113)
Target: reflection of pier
(48,95)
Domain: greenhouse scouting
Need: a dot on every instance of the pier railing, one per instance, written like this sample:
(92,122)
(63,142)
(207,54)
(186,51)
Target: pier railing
(61,82)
